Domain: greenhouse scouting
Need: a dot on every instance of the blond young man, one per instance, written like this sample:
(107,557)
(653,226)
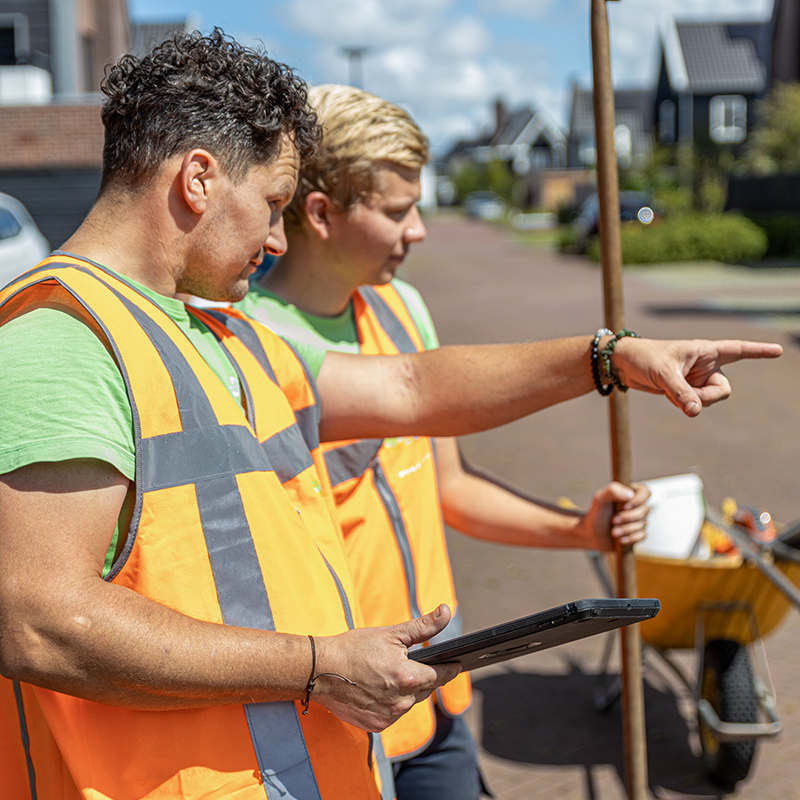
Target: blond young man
(349,227)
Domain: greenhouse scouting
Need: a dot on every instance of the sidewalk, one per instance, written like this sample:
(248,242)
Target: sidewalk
(534,718)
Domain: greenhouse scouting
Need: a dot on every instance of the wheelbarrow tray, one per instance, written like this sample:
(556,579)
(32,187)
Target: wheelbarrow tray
(684,586)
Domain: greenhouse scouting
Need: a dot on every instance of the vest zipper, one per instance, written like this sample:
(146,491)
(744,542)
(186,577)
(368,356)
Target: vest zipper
(401,535)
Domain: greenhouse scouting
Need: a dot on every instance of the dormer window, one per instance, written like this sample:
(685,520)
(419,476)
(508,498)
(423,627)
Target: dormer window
(728,118)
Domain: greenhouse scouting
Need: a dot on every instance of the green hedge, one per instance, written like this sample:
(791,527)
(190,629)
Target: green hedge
(729,238)
(783,233)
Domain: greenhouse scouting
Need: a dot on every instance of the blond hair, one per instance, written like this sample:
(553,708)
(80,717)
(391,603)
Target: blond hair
(360,131)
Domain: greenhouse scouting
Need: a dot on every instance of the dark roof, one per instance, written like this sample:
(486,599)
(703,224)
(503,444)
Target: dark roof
(512,127)
(629,104)
(721,57)
(145,35)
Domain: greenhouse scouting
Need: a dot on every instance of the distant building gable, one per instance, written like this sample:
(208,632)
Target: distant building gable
(711,74)
(634,124)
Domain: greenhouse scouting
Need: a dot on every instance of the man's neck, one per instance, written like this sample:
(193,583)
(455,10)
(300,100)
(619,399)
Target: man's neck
(307,277)
(126,238)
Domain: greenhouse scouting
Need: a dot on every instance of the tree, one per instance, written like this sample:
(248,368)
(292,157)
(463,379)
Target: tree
(775,141)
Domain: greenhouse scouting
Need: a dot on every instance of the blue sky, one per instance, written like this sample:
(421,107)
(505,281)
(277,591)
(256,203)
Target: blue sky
(447,60)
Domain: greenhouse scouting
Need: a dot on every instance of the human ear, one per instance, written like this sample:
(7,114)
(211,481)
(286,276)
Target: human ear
(319,208)
(199,169)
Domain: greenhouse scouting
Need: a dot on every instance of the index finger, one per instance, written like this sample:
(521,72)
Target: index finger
(730,350)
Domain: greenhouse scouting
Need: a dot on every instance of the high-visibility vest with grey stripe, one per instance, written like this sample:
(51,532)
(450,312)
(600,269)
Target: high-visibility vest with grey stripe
(387,499)
(214,536)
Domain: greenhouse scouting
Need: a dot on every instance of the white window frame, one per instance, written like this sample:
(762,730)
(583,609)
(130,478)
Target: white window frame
(727,118)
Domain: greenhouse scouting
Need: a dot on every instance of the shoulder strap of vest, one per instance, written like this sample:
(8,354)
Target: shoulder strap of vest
(387,318)
(254,336)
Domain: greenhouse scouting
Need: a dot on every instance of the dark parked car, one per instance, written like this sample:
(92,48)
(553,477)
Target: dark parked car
(634,207)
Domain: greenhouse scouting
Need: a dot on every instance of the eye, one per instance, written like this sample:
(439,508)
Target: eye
(400,214)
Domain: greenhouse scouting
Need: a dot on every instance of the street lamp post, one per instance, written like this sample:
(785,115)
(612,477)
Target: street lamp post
(355,56)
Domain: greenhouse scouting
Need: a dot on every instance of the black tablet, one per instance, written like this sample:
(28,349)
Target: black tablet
(538,632)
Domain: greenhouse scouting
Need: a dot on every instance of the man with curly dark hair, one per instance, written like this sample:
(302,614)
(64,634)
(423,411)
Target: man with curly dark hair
(164,484)
(174,596)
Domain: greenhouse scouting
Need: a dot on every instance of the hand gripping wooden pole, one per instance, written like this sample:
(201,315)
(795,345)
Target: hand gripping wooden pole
(635,739)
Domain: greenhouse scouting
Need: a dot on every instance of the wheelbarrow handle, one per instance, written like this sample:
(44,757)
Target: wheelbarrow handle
(752,551)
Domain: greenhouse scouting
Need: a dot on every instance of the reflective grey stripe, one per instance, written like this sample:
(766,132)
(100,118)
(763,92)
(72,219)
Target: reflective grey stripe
(308,423)
(288,453)
(454,628)
(307,418)
(278,739)
(284,763)
(183,457)
(348,613)
(26,742)
(400,533)
(351,460)
(388,320)
(245,333)
(384,768)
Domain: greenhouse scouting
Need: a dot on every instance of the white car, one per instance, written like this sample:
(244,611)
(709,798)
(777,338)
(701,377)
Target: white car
(22,245)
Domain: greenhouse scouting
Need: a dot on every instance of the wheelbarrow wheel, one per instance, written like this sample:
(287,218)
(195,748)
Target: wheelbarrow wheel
(727,684)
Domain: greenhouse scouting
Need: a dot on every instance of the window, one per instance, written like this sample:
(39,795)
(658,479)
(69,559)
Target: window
(728,118)
(623,142)
(14,39)
(8,54)
(587,151)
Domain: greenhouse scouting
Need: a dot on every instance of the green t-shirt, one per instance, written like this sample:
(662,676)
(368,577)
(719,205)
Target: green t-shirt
(63,396)
(337,333)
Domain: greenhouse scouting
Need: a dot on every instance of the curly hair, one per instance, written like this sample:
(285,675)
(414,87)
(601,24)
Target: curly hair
(360,130)
(200,91)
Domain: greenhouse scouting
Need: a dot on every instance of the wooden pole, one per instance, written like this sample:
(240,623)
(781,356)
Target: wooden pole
(635,739)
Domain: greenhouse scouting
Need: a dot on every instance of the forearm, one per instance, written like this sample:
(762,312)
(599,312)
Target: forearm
(449,391)
(108,644)
(485,507)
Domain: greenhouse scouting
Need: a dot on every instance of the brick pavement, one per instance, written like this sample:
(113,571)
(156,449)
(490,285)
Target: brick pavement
(539,734)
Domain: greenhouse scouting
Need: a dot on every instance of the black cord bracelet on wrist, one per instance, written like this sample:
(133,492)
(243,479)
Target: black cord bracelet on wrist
(312,678)
(598,384)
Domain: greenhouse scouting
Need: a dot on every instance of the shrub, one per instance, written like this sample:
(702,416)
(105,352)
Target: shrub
(728,238)
(783,233)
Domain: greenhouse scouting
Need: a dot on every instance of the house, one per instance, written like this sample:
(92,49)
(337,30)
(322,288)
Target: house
(52,59)
(526,140)
(710,77)
(533,147)
(784,62)
(632,132)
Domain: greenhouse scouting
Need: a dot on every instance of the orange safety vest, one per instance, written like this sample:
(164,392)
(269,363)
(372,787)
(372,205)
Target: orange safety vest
(387,495)
(229,528)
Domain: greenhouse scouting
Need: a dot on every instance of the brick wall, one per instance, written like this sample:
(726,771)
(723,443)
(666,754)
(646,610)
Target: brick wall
(54,136)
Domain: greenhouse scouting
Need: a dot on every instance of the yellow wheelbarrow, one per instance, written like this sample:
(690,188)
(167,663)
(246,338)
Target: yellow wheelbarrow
(722,607)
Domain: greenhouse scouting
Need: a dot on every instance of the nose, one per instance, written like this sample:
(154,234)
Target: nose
(415,230)
(276,243)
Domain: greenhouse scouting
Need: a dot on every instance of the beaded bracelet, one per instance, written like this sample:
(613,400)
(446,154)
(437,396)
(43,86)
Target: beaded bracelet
(608,351)
(312,678)
(598,384)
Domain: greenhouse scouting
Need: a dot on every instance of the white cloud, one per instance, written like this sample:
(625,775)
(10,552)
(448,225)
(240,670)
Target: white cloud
(535,9)
(448,67)
(466,37)
(368,22)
